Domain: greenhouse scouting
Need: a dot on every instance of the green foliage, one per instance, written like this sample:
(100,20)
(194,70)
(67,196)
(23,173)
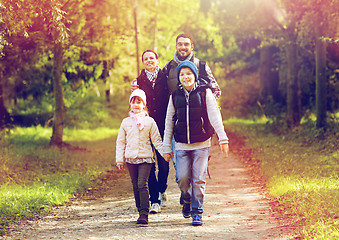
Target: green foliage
(301,170)
(93,112)
(240,96)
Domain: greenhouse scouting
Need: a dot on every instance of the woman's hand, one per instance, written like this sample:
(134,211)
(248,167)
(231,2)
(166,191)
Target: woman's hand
(134,85)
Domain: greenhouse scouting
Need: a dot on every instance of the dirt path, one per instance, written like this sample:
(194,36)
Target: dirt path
(235,208)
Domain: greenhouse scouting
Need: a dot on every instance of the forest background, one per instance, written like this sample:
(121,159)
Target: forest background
(276,61)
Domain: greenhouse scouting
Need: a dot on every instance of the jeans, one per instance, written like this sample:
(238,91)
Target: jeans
(191,170)
(139,174)
(158,184)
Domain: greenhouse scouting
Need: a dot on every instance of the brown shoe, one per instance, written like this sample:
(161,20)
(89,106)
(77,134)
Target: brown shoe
(143,219)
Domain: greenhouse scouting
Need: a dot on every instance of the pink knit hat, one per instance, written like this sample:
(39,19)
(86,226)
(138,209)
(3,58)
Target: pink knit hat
(138,93)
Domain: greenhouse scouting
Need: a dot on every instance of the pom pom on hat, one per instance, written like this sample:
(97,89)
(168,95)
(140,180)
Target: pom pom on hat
(188,64)
(138,93)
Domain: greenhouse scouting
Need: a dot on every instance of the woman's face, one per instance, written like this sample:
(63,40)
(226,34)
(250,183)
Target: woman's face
(150,61)
(137,105)
(187,78)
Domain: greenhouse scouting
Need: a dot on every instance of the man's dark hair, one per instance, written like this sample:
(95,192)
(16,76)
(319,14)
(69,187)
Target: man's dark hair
(184,35)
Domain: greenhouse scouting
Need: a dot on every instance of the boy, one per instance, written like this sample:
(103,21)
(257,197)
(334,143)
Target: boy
(192,114)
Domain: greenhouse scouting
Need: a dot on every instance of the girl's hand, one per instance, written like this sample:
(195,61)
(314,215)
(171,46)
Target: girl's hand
(168,156)
(224,148)
(120,167)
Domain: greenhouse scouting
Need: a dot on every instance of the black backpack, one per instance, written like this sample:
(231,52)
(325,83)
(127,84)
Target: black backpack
(202,71)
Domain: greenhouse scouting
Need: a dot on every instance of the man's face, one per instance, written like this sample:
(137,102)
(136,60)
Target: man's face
(184,47)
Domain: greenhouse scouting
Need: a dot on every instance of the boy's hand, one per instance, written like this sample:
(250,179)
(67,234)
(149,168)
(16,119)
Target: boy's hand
(168,156)
(120,167)
(224,148)
(134,85)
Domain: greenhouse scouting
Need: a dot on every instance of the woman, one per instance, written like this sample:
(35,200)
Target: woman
(152,81)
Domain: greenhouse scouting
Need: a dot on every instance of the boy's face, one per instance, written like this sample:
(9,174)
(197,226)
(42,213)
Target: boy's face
(187,78)
(137,105)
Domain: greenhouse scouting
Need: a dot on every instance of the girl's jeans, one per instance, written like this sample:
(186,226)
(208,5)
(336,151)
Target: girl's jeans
(191,170)
(139,175)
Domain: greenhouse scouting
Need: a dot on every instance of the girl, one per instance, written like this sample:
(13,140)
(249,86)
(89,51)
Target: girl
(152,81)
(133,146)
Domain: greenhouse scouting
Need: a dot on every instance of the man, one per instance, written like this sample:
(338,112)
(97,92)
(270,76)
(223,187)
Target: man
(184,51)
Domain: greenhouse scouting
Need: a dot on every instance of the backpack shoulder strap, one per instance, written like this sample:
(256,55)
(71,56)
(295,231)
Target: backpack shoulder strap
(202,69)
(203,98)
(169,65)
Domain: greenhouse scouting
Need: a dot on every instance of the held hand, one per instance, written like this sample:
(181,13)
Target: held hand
(168,156)
(120,167)
(224,148)
(134,85)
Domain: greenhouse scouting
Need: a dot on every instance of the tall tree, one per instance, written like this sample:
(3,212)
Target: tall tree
(321,80)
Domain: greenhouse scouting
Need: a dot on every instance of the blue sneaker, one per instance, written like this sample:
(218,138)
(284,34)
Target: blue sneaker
(197,220)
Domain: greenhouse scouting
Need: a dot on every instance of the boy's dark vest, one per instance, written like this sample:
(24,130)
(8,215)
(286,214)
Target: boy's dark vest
(194,127)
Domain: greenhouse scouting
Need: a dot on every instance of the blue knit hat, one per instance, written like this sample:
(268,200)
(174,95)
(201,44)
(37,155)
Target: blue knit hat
(188,64)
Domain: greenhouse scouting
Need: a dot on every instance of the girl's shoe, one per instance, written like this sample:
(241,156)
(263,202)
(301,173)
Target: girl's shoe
(143,219)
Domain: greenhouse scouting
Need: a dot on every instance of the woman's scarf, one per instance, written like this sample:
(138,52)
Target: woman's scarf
(152,76)
(137,117)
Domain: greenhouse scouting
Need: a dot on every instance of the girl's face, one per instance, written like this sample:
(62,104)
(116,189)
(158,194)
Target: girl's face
(150,61)
(137,105)
(187,78)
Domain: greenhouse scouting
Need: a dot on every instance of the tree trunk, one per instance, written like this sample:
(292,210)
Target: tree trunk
(60,110)
(136,34)
(4,115)
(269,77)
(293,108)
(156,26)
(321,83)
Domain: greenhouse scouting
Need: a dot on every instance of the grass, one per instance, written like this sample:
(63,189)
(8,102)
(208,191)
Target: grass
(19,202)
(34,177)
(300,168)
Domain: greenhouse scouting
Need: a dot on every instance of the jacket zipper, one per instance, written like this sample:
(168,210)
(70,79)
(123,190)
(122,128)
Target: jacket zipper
(188,119)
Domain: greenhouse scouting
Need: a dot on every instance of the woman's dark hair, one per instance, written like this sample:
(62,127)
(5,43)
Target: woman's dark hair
(142,56)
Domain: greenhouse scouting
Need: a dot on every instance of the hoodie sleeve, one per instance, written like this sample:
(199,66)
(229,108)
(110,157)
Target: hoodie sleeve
(169,124)
(214,84)
(121,145)
(214,116)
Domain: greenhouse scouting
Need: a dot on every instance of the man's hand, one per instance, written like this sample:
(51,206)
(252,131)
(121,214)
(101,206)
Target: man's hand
(134,85)
(224,148)
(168,156)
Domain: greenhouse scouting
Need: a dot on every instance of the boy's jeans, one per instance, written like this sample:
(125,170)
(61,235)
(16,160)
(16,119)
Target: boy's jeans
(191,170)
